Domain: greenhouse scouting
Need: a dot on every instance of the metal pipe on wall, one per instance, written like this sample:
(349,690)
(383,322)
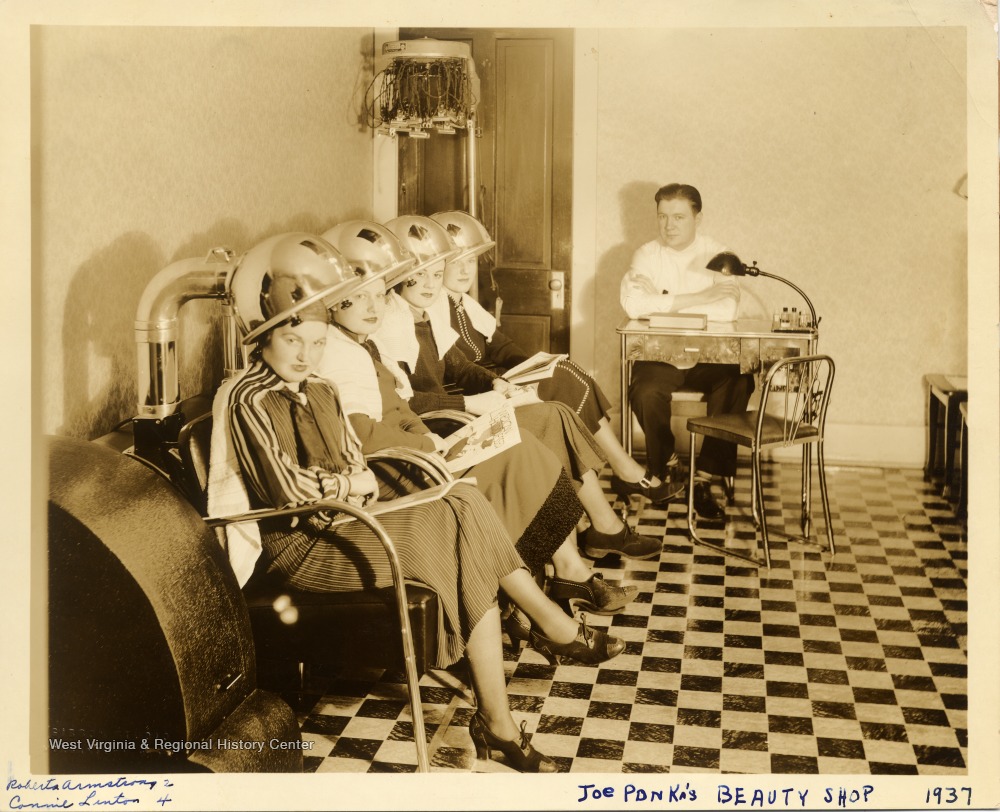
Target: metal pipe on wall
(470,157)
(156,326)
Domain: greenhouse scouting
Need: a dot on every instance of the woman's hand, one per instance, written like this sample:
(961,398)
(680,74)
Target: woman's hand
(524,396)
(503,386)
(363,483)
(484,402)
(440,445)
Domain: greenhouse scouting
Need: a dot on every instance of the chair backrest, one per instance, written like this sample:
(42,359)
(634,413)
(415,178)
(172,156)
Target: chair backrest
(794,399)
(194,442)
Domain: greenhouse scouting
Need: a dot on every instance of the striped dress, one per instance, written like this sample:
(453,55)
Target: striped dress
(297,447)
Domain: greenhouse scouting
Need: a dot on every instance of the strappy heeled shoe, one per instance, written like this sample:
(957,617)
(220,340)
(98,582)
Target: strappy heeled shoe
(667,489)
(520,755)
(517,626)
(595,595)
(590,646)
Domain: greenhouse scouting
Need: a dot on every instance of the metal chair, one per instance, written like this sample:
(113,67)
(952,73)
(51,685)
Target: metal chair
(798,391)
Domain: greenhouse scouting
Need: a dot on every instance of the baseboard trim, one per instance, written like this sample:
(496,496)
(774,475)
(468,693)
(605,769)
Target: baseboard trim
(846,445)
(877,446)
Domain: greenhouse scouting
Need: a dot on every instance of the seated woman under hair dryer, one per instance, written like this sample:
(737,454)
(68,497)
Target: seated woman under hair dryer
(425,350)
(292,445)
(481,341)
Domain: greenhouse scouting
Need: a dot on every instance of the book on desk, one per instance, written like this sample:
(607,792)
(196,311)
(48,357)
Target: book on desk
(677,321)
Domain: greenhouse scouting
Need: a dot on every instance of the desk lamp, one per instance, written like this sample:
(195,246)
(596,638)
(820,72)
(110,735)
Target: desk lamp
(728,264)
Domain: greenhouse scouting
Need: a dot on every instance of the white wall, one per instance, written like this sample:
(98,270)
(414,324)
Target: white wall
(152,145)
(830,156)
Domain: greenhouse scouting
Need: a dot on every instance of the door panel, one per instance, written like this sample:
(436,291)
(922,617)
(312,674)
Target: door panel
(524,144)
(525,156)
(445,154)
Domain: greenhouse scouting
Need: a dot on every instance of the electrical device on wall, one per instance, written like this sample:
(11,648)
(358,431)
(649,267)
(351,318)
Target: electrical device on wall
(423,86)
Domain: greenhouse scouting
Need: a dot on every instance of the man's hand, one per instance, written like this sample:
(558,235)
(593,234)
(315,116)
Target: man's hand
(642,284)
(724,290)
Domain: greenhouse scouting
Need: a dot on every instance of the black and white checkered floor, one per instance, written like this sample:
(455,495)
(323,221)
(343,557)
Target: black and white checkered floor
(855,664)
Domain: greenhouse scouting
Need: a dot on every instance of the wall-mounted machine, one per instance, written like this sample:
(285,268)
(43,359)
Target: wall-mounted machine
(423,86)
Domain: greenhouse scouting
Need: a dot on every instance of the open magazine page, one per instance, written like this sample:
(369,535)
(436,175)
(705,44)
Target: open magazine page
(541,365)
(411,499)
(484,437)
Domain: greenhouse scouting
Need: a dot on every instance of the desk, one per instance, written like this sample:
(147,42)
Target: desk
(747,342)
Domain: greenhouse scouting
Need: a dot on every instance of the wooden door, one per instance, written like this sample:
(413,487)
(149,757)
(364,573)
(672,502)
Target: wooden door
(525,156)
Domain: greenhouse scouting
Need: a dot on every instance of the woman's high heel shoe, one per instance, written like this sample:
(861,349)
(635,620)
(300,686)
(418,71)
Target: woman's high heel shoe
(664,492)
(594,595)
(520,755)
(591,646)
(517,626)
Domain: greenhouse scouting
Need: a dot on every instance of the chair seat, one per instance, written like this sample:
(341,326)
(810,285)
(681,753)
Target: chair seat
(358,628)
(742,429)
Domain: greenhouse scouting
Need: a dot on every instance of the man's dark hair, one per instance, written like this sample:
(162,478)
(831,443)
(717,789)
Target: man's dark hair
(675,191)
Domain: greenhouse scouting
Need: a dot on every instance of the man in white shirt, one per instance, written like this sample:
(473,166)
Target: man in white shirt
(669,275)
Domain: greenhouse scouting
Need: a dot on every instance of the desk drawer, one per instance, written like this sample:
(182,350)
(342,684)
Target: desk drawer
(683,350)
(768,350)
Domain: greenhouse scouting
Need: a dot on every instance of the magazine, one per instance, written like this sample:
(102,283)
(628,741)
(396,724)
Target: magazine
(484,437)
(541,365)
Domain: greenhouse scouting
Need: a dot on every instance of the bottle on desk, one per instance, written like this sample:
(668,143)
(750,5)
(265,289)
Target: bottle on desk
(793,319)
(784,319)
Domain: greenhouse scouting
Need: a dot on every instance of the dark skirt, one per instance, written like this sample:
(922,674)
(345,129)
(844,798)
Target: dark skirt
(569,384)
(562,432)
(455,545)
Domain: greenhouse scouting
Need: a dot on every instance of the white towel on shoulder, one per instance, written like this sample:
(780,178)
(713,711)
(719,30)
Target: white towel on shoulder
(481,318)
(439,315)
(396,337)
(227,493)
(349,367)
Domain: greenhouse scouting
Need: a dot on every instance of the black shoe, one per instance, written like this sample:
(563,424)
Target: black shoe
(705,504)
(676,479)
(625,542)
(517,626)
(594,595)
(521,755)
(657,494)
(590,647)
